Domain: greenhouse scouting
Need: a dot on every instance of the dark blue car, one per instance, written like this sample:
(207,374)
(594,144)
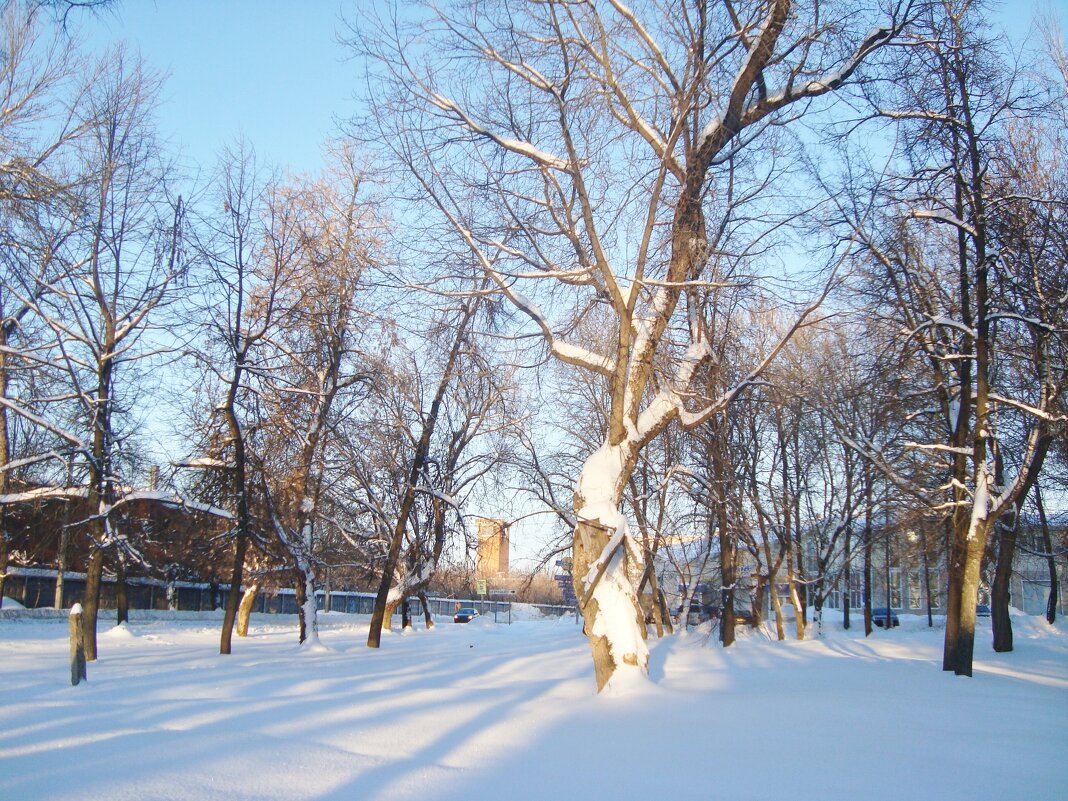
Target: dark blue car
(465,615)
(880,616)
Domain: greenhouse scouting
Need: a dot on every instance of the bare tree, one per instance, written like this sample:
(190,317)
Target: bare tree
(580,149)
(39,123)
(247,251)
(416,473)
(945,262)
(313,365)
(101,309)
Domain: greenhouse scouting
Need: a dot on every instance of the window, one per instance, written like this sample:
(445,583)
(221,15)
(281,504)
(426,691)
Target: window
(915,590)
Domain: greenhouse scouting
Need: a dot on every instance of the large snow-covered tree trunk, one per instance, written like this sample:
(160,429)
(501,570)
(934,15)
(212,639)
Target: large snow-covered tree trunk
(607,565)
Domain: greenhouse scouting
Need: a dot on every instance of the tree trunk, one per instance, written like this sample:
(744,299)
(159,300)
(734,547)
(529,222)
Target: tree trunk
(960,650)
(5,453)
(307,606)
(867,578)
(428,616)
(776,608)
(229,616)
(122,603)
(795,596)
(302,597)
(406,614)
(91,602)
(62,556)
(728,544)
(1051,562)
(388,612)
(927,577)
(244,612)
(654,594)
(869,533)
(847,578)
(1000,621)
(609,578)
(3,554)
(1001,587)
(758,601)
(662,609)
(773,572)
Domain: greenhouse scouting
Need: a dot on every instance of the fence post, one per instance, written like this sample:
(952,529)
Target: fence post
(77,646)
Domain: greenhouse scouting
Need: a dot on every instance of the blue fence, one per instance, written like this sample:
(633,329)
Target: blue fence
(35,588)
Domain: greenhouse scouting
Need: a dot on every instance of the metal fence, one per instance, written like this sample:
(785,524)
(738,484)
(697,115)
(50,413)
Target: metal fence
(35,588)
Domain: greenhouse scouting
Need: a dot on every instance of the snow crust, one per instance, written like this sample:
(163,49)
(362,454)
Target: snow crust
(501,711)
(597,486)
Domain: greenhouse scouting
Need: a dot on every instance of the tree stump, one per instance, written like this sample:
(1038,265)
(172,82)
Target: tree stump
(77,646)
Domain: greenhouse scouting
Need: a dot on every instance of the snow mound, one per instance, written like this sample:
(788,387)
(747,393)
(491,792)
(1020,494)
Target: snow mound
(119,632)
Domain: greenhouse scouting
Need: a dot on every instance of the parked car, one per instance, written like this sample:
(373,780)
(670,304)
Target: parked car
(982,610)
(465,615)
(880,615)
(697,614)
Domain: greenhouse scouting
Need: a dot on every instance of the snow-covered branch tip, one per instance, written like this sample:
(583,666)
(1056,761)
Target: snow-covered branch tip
(516,146)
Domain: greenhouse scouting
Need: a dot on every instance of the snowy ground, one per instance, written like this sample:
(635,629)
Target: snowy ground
(505,713)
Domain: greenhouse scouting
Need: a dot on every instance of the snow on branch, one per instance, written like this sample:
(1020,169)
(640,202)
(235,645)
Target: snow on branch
(516,146)
(934,446)
(15,464)
(43,493)
(203,463)
(943,217)
(940,322)
(172,499)
(448,500)
(42,423)
(570,354)
(1034,411)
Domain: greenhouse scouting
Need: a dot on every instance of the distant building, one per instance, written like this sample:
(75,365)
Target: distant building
(492,557)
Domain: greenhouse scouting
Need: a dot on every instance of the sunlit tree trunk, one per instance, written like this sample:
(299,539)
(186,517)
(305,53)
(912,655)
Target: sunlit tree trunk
(244,612)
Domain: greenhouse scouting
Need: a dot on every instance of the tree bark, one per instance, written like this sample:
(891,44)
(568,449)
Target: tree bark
(927,578)
(230,615)
(758,601)
(63,551)
(91,603)
(867,578)
(428,615)
(244,612)
(1000,592)
(1051,562)
(847,576)
(728,544)
(301,598)
(3,554)
(662,608)
(589,544)
(122,603)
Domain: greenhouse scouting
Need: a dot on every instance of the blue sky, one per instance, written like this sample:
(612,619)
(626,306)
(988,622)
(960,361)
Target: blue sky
(270,70)
(273,71)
